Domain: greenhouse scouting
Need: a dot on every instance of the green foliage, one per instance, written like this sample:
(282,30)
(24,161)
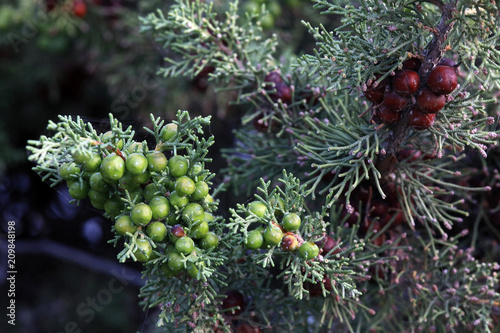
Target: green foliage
(387,197)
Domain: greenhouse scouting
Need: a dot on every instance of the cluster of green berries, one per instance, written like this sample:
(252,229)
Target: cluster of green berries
(282,234)
(146,193)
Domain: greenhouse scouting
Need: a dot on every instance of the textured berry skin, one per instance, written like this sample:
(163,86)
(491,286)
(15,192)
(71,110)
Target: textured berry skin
(406,82)
(394,101)
(442,80)
(413,64)
(421,121)
(429,102)
(289,243)
(376,94)
(387,116)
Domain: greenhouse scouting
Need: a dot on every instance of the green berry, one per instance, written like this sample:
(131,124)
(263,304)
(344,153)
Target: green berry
(273,235)
(97,182)
(136,163)
(92,163)
(112,167)
(79,190)
(184,245)
(254,239)
(201,191)
(124,224)
(200,230)
(184,186)
(168,132)
(308,250)
(157,231)
(144,250)
(178,201)
(157,161)
(193,212)
(141,214)
(178,166)
(210,240)
(160,207)
(258,208)
(291,222)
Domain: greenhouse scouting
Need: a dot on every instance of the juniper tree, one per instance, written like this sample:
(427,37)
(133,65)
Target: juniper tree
(369,168)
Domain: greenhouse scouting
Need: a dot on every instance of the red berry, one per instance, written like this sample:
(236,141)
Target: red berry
(234,298)
(387,115)
(79,8)
(394,101)
(442,80)
(379,208)
(327,244)
(374,93)
(283,92)
(412,63)
(178,231)
(406,82)
(421,121)
(430,102)
(273,77)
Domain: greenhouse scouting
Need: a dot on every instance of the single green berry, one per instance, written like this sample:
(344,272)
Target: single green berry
(141,214)
(157,161)
(308,250)
(112,167)
(97,182)
(113,206)
(157,231)
(273,235)
(124,224)
(175,262)
(160,207)
(184,186)
(291,222)
(184,245)
(199,230)
(195,172)
(127,182)
(79,190)
(144,250)
(178,166)
(210,240)
(254,239)
(92,163)
(69,171)
(178,201)
(192,268)
(109,137)
(258,208)
(168,132)
(136,163)
(193,212)
(150,191)
(201,191)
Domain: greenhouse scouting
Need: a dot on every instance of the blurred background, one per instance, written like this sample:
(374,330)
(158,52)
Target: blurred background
(87,58)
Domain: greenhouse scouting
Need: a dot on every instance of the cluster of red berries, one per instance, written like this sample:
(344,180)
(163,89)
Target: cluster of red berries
(404,91)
